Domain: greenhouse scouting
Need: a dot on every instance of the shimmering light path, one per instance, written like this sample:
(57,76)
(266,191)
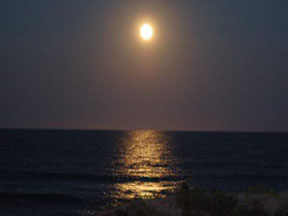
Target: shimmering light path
(145,155)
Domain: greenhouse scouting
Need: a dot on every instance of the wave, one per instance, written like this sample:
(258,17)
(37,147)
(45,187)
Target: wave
(83,176)
(44,197)
(53,176)
(226,177)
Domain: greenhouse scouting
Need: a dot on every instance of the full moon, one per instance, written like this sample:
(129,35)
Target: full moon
(146,32)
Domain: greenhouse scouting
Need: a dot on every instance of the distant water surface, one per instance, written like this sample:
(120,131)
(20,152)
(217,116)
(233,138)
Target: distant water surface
(50,172)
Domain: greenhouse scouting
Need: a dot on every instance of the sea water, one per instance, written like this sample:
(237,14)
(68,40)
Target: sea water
(73,172)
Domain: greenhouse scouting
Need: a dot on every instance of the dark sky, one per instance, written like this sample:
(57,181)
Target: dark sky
(212,65)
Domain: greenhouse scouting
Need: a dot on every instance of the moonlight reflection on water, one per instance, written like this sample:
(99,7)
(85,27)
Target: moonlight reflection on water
(146,158)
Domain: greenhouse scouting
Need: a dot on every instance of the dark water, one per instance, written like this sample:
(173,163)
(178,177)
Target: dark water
(81,172)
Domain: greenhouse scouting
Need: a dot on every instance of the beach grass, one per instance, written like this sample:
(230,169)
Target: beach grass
(256,201)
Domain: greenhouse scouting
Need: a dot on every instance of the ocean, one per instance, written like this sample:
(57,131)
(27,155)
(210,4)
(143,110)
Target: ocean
(74,172)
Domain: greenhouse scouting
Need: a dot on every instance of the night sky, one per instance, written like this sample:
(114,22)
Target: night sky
(80,64)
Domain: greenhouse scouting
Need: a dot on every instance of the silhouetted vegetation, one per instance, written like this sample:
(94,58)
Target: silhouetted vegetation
(198,201)
(201,202)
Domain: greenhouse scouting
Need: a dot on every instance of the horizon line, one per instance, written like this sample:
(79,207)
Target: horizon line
(145,129)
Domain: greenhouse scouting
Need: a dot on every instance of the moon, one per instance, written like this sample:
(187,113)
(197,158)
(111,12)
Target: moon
(146,32)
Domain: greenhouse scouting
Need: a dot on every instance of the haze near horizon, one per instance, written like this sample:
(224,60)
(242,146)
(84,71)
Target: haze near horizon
(82,65)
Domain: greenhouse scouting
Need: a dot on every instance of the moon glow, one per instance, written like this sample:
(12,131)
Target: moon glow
(146,32)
